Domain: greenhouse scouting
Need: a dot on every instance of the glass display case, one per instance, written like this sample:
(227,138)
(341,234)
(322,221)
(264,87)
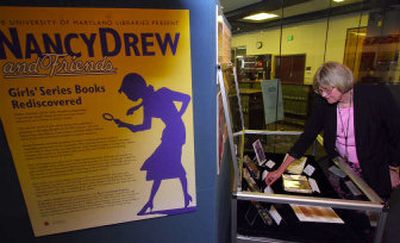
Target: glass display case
(326,202)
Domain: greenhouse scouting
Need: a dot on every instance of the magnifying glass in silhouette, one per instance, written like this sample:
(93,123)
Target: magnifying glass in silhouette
(108,117)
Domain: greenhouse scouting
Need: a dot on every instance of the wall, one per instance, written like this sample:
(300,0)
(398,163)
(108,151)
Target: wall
(308,38)
(200,226)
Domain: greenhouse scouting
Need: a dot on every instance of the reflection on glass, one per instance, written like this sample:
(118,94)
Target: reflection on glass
(364,35)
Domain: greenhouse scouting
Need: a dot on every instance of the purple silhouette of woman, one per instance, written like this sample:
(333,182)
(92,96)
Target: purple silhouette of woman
(165,162)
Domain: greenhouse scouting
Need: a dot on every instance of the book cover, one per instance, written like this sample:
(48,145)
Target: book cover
(296,183)
(297,166)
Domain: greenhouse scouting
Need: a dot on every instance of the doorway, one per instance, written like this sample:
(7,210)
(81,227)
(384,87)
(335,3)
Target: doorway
(290,68)
(354,48)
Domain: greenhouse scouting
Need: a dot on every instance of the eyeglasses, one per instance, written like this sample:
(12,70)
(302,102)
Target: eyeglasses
(324,90)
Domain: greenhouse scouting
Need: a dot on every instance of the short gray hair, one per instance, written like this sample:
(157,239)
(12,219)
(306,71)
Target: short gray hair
(334,74)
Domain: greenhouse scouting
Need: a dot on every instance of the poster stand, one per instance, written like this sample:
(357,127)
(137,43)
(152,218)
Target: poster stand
(228,117)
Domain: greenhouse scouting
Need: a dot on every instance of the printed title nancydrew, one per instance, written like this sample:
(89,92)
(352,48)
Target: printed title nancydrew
(97,109)
(57,56)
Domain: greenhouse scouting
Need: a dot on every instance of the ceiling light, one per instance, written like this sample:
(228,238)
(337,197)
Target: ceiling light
(338,1)
(360,34)
(260,16)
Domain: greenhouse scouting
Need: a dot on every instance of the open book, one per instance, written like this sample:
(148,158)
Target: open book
(296,183)
(316,214)
(297,166)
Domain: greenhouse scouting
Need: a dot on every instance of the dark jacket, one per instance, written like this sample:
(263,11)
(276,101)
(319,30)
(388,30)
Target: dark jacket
(377,131)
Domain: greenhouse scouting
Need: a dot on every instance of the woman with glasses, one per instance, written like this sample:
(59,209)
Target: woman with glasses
(360,123)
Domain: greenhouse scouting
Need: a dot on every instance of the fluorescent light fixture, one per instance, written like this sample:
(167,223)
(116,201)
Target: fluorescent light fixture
(360,34)
(338,1)
(260,16)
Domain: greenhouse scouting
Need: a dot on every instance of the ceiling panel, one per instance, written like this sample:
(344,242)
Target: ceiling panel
(293,11)
(230,5)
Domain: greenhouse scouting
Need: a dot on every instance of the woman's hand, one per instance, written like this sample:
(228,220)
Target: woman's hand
(120,123)
(394,176)
(130,112)
(133,109)
(272,177)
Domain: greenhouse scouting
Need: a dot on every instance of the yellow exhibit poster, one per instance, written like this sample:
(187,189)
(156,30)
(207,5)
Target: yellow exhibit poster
(97,109)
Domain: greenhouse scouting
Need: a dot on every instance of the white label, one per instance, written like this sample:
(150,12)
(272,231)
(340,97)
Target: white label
(354,190)
(309,170)
(336,171)
(270,164)
(269,190)
(314,185)
(275,215)
(264,174)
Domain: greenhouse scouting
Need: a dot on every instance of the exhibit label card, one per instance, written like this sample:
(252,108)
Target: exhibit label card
(97,109)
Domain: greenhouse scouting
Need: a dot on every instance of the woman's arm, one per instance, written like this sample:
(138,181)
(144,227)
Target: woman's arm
(274,175)
(177,96)
(185,99)
(390,113)
(134,108)
(394,176)
(312,128)
(140,127)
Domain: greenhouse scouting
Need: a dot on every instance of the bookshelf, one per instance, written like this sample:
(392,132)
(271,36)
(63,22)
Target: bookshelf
(296,102)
